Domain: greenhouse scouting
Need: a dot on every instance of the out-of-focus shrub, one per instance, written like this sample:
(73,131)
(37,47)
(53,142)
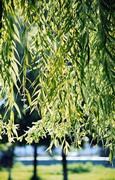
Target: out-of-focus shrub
(80,168)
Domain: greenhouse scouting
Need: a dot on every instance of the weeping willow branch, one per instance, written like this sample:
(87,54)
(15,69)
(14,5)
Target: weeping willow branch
(57,58)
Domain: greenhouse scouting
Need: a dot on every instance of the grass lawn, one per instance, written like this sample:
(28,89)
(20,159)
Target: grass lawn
(54,172)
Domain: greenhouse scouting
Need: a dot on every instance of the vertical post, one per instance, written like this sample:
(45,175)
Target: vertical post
(64,162)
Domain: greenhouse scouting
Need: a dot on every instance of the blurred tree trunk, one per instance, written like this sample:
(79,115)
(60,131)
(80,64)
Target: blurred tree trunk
(9,173)
(9,159)
(35,163)
(64,162)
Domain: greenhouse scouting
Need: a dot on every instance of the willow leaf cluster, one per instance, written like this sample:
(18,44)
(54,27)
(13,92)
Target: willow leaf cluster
(58,58)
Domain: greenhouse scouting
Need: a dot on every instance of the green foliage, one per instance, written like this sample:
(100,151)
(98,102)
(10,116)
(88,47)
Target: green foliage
(5,147)
(81,168)
(69,48)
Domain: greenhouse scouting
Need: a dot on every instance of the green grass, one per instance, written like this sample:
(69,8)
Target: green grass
(75,172)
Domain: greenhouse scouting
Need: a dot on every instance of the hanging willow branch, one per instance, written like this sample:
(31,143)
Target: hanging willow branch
(57,57)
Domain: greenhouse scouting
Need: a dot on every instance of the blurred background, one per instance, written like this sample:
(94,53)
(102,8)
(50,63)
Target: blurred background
(20,161)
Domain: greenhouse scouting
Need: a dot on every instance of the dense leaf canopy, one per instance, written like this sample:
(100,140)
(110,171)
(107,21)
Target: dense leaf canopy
(58,58)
